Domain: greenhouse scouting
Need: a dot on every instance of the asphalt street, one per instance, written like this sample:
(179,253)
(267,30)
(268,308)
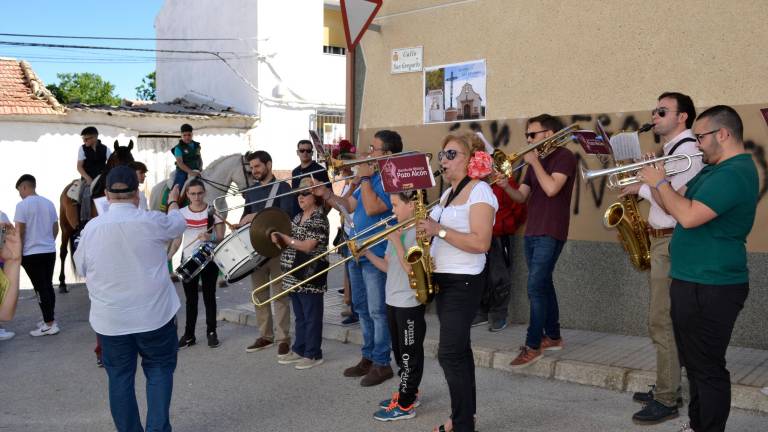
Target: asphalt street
(53,384)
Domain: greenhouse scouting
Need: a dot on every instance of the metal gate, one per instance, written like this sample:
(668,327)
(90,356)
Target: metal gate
(328,125)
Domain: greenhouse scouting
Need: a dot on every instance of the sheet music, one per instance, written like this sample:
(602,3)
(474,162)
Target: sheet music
(626,145)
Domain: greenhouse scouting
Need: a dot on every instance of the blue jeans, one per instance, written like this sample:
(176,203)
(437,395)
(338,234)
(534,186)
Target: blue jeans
(180,178)
(308,310)
(367,284)
(157,349)
(541,253)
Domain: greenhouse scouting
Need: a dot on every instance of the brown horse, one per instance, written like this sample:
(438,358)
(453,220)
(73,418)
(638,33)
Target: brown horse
(69,211)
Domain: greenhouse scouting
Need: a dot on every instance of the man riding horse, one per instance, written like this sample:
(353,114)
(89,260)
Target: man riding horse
(92,160)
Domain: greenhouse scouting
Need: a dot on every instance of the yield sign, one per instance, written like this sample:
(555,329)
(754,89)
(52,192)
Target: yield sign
(358,15)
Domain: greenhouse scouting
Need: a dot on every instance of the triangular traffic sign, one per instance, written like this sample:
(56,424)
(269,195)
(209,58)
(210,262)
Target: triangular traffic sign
(358,15)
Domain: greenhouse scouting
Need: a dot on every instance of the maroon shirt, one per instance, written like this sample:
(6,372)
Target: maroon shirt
(551,216)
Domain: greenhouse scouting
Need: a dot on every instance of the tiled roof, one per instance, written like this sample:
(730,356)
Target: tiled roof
(23,93)
(178,108)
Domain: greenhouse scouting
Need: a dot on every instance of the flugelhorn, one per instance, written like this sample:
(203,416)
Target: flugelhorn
(505,163)
(625,175)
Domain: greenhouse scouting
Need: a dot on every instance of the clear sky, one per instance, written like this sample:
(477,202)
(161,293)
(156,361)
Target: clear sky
(117,18)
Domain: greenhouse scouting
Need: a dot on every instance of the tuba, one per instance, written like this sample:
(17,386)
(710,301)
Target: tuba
(419,258)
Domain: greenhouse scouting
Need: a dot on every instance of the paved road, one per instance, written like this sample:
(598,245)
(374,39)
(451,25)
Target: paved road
(52,384)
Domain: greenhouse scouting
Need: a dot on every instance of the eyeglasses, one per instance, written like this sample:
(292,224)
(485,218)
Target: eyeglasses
(448,154)
(702,135)
(305,193)
(662,112)
(195,193)
(373,149)
(304,151)
(532,135)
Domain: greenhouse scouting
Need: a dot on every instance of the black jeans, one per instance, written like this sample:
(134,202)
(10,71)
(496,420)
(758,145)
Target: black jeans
(702,318)
(208,275)
(39,268)
(457,301)
(498,287)
(407,329)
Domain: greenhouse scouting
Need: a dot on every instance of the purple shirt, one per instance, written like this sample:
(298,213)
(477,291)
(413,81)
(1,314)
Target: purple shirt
(551,216)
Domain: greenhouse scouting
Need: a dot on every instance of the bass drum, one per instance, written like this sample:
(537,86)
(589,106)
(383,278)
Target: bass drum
(235,256)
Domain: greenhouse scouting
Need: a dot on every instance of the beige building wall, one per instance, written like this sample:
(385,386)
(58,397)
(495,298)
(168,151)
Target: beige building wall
(579,60)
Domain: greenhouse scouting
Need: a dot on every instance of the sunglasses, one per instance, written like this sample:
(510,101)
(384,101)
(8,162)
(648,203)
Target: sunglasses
(305,193)
(532,135)
(304,150)
(448,154)
(702,135)
(662,112)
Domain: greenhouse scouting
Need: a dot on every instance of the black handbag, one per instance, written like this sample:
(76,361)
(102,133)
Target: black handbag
(317,266)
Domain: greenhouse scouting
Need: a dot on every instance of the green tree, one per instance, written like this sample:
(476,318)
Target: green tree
(146,91)
(86,87)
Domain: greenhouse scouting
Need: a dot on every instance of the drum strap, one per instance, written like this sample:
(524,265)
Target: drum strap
(272,193)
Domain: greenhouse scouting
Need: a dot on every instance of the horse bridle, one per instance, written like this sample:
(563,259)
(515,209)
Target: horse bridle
(221,187)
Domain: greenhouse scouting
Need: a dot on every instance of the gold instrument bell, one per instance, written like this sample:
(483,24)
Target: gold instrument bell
(505,164)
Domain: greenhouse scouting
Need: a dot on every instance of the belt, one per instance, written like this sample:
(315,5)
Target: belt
(663,232)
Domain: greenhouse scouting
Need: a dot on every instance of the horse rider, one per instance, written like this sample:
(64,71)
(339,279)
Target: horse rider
(92,159)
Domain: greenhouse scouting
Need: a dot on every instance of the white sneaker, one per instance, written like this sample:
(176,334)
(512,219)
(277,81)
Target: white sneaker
(686,428)
(764,391)
(289,358)
(306,363)
(40,324)
(5,334)
(46,330)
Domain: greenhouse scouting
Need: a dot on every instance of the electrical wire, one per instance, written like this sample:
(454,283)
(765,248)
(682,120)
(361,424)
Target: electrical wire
(122,38)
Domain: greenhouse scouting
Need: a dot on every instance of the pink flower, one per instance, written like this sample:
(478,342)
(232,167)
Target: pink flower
(480,165)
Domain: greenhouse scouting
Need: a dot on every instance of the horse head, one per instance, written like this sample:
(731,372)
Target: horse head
(121,156)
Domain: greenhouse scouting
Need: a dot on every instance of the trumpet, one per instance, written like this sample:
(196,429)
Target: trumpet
(356,249)
(334,167)
(625,175)
(505,164)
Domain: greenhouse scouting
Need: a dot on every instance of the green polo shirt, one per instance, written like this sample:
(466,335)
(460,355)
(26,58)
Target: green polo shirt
(715,253)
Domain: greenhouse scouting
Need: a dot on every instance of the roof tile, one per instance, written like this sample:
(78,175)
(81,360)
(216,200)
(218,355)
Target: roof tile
(16,94)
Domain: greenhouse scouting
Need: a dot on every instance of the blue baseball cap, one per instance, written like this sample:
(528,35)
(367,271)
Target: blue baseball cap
(124,175)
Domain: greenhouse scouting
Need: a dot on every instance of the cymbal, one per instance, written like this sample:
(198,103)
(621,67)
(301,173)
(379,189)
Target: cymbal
(266,222)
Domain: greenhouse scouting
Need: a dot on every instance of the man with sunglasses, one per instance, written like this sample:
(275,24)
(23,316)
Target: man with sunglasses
(547,188)
(307,167)
(672,119)
(370,204)
(710,278)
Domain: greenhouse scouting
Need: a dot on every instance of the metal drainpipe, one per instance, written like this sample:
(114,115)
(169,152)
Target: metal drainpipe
(349,112)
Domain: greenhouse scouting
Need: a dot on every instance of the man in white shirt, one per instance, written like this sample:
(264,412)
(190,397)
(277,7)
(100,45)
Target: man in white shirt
(133,301)
(672,120)
(37,222)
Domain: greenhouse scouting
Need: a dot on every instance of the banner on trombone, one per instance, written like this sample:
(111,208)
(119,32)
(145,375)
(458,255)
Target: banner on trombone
(404,173)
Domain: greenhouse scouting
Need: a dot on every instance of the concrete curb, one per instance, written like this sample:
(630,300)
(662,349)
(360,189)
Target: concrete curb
(592,374)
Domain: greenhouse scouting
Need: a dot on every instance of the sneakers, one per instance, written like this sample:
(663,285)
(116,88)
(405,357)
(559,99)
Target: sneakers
(764,391)
(260,344)
(647,397)
(377,375)
(653,413)
(479,320)
(289,358)
(360,369)
(350,320)
(307,363)
(283,350)
(46,330)
(213,340)
(498,325)
(395,396)
(549,344)
(527,357)
(187,341)
(99,362)
(686,427)
(395,412)
(5,334)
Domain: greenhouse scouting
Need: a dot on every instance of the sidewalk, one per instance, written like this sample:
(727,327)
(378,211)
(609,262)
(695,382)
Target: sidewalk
(616,362)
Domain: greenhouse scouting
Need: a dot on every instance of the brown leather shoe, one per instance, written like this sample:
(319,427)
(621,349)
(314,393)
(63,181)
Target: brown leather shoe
(360,369)
(259,345)
(283,349)
(377,375)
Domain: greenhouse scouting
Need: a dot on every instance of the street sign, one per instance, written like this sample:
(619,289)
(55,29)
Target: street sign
(358,15)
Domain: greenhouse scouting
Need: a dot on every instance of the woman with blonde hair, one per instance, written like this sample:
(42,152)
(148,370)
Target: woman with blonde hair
(461,224)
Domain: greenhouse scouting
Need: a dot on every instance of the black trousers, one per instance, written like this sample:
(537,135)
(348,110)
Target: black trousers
(457,301)
(209,275)
(407,329)
(498,287)
(703,317)
(39,268)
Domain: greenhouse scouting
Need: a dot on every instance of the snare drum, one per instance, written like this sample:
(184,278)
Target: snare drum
(235,255)
(196,262)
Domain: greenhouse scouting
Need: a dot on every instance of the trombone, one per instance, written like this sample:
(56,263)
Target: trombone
(355,250)
(625,175)
(505,164)
(334,167)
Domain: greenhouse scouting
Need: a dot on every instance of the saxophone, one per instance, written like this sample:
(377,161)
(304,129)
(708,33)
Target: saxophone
(633,229)
(419,258)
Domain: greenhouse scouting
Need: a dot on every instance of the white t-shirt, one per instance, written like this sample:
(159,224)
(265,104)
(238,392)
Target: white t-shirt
(4,218)
(38,215)
(81,153)
(448,258)
(197,223)
(398,288)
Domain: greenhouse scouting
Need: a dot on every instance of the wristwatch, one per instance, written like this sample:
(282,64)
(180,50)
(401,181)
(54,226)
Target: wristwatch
(293,242)
(442,233)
